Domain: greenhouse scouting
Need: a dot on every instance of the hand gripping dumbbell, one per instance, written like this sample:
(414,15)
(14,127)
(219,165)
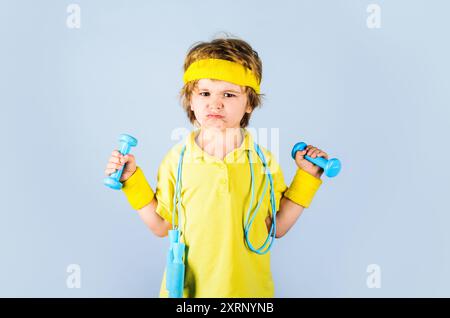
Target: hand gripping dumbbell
(331,166)
(126,142)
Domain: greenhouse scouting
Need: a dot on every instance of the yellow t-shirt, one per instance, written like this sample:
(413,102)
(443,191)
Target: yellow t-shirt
(215,195)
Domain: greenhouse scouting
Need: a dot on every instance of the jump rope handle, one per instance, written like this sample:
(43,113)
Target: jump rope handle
(175,267)
(126,142)
(331,167)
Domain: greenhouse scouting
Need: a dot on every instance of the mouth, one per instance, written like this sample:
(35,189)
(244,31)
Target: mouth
(214,116)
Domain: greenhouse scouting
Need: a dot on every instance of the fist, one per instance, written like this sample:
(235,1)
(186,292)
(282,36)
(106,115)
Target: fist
(307,166)
(117,161)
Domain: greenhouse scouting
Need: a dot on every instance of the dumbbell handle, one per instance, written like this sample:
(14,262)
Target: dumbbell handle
(331,167)
(124,150)
(126,142)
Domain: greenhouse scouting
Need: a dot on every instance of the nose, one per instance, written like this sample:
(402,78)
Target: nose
(216,102)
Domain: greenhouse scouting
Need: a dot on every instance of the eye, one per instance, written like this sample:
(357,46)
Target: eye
(229,95)
(202,93)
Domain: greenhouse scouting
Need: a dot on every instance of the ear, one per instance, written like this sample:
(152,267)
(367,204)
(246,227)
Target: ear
(249,109)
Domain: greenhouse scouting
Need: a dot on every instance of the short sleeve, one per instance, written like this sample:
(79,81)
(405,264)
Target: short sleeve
(165,187)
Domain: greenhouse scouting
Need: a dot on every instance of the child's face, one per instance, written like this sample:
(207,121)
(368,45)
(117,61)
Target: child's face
(219,104)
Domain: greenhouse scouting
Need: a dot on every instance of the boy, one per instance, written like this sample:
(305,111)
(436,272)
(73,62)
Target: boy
(222,80)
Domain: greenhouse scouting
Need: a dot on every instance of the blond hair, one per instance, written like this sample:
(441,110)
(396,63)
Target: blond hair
(231,49)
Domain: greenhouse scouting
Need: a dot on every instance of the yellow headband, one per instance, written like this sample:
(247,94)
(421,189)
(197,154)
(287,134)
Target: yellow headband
(221,70)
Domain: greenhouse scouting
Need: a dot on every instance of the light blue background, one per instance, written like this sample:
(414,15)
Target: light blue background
(378,99)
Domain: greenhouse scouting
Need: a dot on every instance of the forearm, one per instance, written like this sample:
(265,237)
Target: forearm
(294,200)
(142,199)
(153,220)
(287,215)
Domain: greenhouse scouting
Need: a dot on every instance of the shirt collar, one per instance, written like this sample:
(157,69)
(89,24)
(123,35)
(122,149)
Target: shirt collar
(194,151)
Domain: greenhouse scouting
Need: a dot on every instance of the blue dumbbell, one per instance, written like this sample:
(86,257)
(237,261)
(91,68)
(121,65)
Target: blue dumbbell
(331,166)
(126,142)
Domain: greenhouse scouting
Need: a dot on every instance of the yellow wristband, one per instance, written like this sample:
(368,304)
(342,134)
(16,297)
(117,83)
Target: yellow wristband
(303,188)
(137,190)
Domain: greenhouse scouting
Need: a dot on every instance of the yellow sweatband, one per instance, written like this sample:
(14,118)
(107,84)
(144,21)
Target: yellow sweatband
(303,188)
(137,190)
(221,70)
